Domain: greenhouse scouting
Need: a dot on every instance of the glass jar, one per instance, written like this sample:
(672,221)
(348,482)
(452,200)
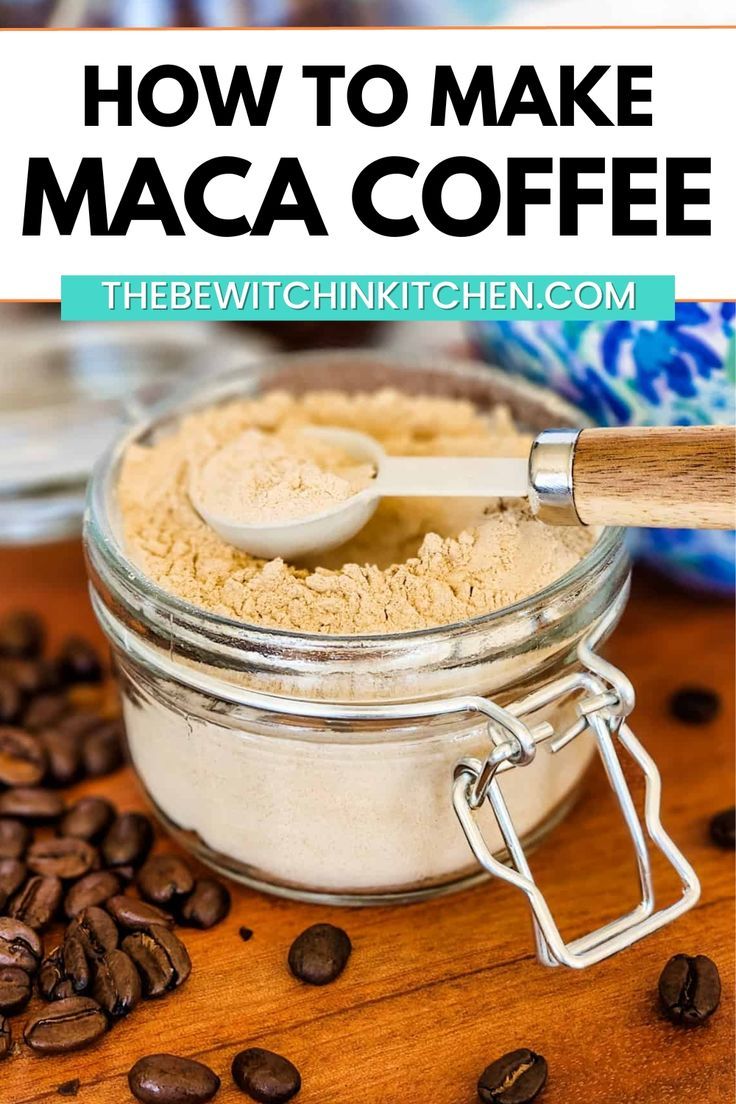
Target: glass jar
(321,767)
(68,389)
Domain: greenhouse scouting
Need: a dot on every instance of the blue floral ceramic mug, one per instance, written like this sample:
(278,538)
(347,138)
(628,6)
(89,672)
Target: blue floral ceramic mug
(639,373)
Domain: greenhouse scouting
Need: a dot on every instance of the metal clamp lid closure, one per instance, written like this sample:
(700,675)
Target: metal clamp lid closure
(608,698)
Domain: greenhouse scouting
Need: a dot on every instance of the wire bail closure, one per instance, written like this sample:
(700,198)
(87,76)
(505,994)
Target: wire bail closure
(608,698)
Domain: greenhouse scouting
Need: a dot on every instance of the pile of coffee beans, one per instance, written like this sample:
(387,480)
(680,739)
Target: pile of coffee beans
(86,864)
(53,729)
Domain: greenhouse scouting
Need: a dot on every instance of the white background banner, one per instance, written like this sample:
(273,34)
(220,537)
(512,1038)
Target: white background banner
(692,105)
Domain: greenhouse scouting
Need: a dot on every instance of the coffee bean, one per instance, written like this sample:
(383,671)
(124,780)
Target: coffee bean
(128,840)
(96,930)
(88,819)
(164,879)
(92,889)
(11,701)
(14,837)
(69,1088)
(126,874)
(36,903)
(19,945)
(44,711)
(134,915)
(21,635)
(65,1025)
(102,750)
(78,661)
(516,1078)
(74,963)
(689,989)
(22,758)
(6,1039)
(117,984)
(319,954)
(166,1079)
(63,757)
(51,977)
(13,873)
(80,723)
(695,705)
(207,904)
(245,934)
(31,676)
(15,989)
(265,1076)
(31,803)
(723,829)
(161,958)
(65,856)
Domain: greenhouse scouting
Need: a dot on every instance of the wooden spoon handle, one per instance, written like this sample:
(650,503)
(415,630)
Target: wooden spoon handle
(674,477)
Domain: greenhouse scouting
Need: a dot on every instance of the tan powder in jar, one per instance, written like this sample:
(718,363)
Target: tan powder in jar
(418,563)
(259,478)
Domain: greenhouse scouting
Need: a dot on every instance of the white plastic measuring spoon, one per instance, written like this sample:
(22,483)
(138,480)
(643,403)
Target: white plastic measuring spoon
(396,477)
(669,476)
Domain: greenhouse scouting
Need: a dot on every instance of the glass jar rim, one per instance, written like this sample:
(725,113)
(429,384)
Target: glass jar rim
(100,534)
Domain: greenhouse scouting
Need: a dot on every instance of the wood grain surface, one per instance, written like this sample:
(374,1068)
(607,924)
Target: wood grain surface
(434,992)
(658,476)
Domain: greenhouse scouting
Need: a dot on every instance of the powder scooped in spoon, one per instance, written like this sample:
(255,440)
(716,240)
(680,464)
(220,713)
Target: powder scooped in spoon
(259,478)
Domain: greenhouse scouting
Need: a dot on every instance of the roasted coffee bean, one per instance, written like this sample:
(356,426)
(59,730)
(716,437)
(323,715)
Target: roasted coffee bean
(319,954)
(21,635)
(265,1076)
(44,711)
(65,856)
(128,840)
(689,989)
(37,902)
(31,803)
(31,676)
(96,930)
(22,758)
(517,1078)
(14,837)
(74,963)
(695,705)
(51,976)
(80,722)
(78,661)
(92,889)
(134,915)
(117,984)
(63,756)
(164,880)
(102,750)
(161,958)
(6,1039)
(88,819)
(206,905)
(19,945)
(13,873)
(245,934)
(15,989)
(11,701)
(166,1079)
(722,829)
(65,1025)
(69,1088)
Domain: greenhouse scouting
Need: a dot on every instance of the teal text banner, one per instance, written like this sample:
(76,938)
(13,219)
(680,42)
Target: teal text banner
(385,298)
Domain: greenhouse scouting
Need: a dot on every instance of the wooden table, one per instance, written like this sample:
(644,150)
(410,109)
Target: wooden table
(435,991)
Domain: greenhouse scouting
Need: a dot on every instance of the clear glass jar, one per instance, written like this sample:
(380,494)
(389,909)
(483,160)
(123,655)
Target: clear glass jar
(321,767)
